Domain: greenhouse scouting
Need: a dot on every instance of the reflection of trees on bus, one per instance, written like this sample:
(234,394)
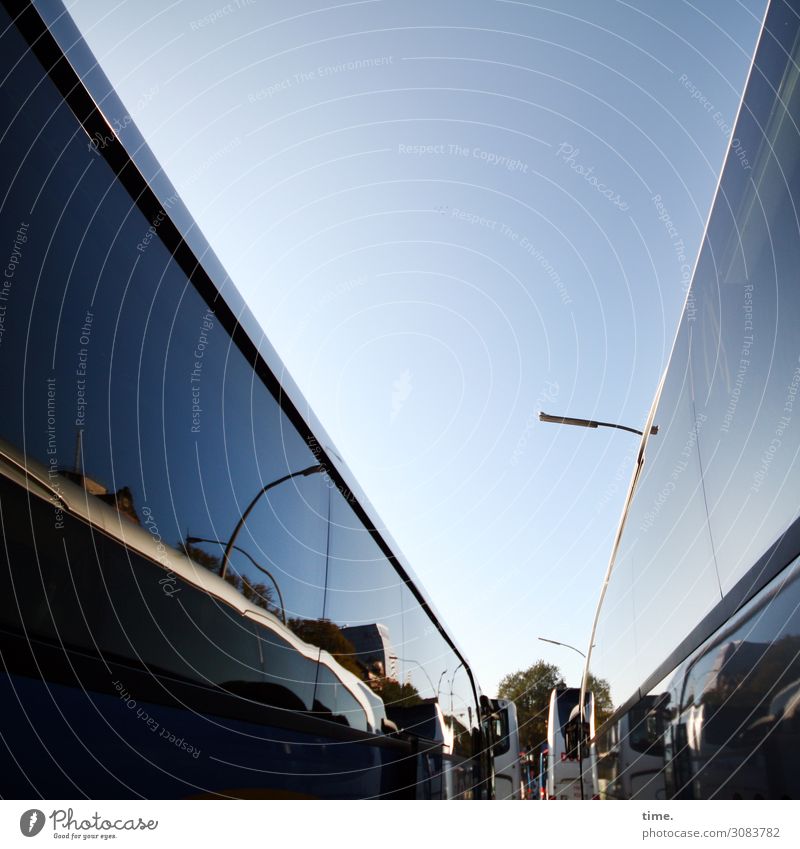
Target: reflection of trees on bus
(327,635)
(394,693)
(630,752)
(731,729)
(257,592)
(738,722)
(97,595)
(698,625)
(122,500)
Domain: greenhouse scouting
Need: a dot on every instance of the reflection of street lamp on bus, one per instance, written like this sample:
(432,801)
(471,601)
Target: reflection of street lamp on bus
(451,684)
(411,660)
(311,470)
(439,685)
(195,540)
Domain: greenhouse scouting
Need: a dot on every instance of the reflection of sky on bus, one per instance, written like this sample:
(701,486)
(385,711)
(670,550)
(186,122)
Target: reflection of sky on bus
(443,215)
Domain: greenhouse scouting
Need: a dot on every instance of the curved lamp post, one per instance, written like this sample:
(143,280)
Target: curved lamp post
(311,470)
(566,645)
(417,663)
(546,417)
(439,685)
(194,540)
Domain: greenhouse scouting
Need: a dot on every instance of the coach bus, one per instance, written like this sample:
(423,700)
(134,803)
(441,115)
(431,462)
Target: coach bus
(698,629)
(567,766)
(195,599)
(508,766)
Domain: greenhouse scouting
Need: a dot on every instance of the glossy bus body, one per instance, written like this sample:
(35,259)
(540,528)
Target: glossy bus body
(195,599)
(698,633)
(507,764)
(569,761)
(629,754)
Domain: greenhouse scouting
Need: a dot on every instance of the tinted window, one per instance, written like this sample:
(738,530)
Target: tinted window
(745,362)
(719,484)
(129,394)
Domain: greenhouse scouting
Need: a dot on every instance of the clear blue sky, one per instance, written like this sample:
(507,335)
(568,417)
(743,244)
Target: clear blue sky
(443,215)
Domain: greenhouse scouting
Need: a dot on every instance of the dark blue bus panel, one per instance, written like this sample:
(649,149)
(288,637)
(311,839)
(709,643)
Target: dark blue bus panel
(699,631)
(193,602)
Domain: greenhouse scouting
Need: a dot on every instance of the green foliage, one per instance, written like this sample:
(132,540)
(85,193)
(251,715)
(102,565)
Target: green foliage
(203,558)
(394,693)
(259,593)
(529,689)
(328,636)
(603,707)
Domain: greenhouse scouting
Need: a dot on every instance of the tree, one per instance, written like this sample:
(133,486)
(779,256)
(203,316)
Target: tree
(328,636)
(395,694)
(603,706)
(530,689)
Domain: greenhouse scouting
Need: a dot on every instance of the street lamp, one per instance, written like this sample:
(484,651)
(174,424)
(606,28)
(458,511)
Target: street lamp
(311,470)
(566,645)
(546,417)
(580,709)
(439,685)
(452,680)
(195,540)
(417,663)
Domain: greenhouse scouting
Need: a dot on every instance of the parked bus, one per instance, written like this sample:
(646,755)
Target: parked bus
(569,760)
(195,598)
(698,626)
(508,778)
(629,754)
